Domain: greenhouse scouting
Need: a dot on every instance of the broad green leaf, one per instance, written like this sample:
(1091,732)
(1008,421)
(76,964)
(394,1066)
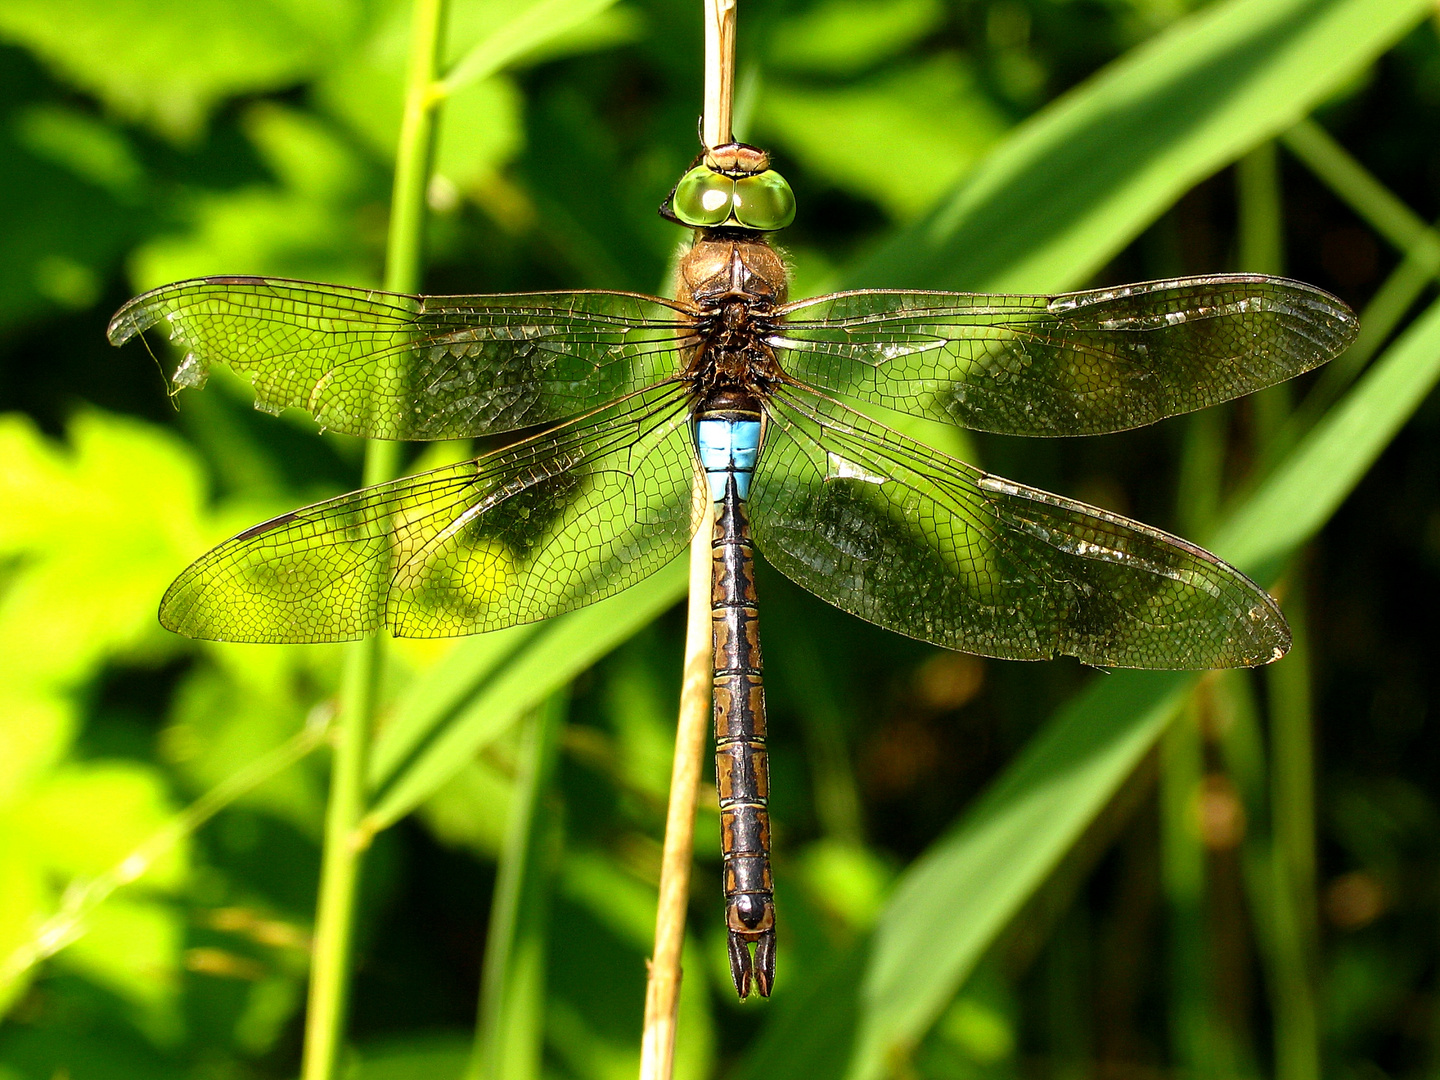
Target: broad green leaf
(73,825)
(133,948)
(1301,494)
(37,726)
(93,151)
(480,124)
(524,29)
(222,721)
(1082,178)
(440,1056)
(470,809)
(62,223)
(902,139)
(102,527)
(58,824)
(303,227)
(641,705)
(437,696)
(847,880)
(24,899)
(843,37)
(169,62)
(447,717)
(951,903)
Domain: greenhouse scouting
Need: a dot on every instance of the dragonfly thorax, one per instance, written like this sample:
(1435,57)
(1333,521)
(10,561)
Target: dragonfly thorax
(725,263)
(733,283)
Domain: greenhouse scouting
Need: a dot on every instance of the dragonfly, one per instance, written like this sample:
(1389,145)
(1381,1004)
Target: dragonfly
(631,411)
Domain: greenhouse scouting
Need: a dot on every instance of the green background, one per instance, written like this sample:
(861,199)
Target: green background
(984,869)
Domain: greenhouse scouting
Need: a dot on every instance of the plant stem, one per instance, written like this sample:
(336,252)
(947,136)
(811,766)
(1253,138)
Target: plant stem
(69,923)
(1292,842)
(662,990)
(1387,214)
(405,243)
(509,1031)
(1292,852)
(1192,1030)
(1262,251)
(716,123)
(340,865)
(662,987)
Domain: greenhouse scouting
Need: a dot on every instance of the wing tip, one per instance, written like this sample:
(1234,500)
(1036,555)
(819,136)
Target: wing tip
(182,611)
(1269,638)
(135,317)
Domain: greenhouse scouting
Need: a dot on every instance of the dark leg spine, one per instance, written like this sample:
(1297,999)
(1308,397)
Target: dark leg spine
(742,768)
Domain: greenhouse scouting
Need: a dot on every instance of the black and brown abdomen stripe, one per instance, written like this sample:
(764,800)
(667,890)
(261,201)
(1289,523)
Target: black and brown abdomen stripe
(742,769)
(727,437)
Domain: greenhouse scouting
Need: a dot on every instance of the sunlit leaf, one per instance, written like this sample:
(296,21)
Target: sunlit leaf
(24,899)
(492,44)
(222,721)
(58,823)
(305,226)
(951,903)
(133,948)
(436,1056)
(469,810)
(480,126)
(101,527)
(1082,178)
(902,139)
(36,728)
(169,62)
(842,37)
(447,717)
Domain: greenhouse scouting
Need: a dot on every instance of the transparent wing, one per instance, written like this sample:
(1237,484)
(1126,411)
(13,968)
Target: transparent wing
(930,547)
(1076,364)
(546,525)
(391,366)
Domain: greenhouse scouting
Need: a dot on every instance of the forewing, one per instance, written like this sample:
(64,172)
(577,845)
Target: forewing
(391,366)
(930,547)
(546,525)
(1080,363)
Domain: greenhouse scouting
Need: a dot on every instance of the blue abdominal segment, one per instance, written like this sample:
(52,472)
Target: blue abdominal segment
(728,447)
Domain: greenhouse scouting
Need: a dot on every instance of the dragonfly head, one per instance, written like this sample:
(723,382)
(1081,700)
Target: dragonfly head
(731,187)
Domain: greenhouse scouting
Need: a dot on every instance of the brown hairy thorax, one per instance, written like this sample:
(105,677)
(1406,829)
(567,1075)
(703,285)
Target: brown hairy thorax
(733,281)
(725,263)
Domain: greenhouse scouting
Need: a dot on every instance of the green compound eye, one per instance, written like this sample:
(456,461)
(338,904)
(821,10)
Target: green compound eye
(764,201)
(703,197)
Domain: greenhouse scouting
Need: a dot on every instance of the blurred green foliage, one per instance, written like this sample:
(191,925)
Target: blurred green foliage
(999,827)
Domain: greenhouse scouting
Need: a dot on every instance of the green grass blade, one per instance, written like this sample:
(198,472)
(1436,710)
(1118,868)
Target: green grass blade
(510,1028)
(1081,179)
(446,720)
(1301,494)
(439,696)
(1378,205)
(951,903)
(531,28)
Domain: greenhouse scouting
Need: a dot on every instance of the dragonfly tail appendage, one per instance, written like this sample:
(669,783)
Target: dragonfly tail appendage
(742,769)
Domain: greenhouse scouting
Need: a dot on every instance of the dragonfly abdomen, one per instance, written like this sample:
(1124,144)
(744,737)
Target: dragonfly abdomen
(727,433)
